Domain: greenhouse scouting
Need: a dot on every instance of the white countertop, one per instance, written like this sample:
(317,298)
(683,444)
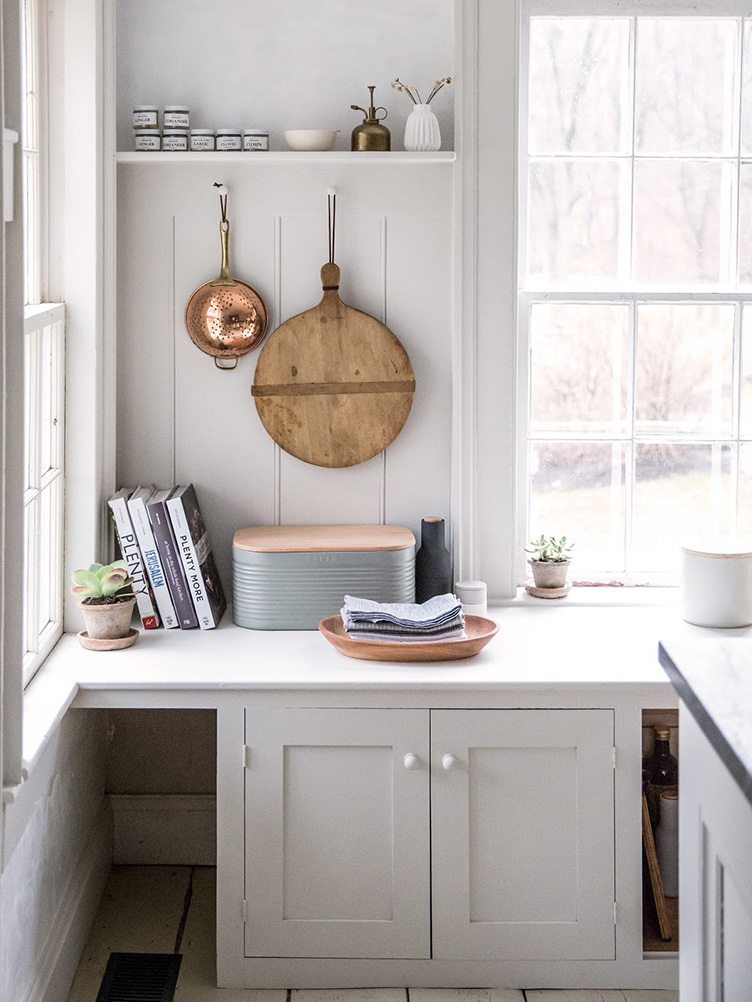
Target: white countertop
(539,646)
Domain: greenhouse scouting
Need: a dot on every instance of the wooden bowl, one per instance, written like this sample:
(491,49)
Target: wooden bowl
(478,629)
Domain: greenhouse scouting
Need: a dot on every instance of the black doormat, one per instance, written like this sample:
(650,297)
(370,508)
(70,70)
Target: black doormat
(140,977)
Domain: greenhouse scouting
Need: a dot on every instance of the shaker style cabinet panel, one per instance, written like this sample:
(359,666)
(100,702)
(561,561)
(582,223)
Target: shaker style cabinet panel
(522,825)
(337,833)
(715,875)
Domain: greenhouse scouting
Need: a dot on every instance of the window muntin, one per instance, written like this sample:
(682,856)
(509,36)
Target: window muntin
(44,375)
(636,272)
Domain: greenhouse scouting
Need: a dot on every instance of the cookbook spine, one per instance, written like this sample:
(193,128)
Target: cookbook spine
(132,556)
(172,565)
(191,565)
(152,562)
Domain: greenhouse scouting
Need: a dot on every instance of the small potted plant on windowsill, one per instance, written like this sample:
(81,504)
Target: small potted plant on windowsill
(106,605)
(550,559)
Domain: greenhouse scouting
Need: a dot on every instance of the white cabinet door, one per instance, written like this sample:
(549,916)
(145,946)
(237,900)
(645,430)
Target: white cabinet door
(337,833)
(715,874)
(522,808)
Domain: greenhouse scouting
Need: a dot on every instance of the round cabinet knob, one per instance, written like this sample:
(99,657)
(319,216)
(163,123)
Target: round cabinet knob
(411,761)
(448,761)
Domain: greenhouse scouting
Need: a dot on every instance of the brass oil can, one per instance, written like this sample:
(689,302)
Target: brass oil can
(371,135)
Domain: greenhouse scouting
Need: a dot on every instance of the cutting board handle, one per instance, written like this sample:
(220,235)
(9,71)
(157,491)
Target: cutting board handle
(330,277)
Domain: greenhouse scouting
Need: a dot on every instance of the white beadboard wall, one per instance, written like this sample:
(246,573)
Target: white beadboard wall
(288,65)
(181,419)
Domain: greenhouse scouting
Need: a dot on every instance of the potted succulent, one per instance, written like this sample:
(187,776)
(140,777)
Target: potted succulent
(107,601)
(550,559)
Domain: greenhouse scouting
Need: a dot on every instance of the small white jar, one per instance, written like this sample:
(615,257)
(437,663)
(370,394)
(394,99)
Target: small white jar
(474,597)
(147,140)
(716,583)
(255,140)
(175,140)
(145,116)
(176,116)
(229,140)
(202,139)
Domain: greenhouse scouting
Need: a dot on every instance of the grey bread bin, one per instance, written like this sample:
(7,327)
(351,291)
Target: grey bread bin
(289,577)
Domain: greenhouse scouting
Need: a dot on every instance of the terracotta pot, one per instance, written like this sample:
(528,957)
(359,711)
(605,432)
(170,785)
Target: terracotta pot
(108,622)
(550,573)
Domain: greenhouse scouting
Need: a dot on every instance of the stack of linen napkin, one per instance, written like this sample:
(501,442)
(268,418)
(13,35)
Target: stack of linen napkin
(439,618)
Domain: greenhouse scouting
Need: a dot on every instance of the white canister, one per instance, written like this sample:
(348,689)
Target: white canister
(147,140)
(175,140)
(229,140)
(255,140)
(667,842)
(176,116)
(716,583)
(201,140)
(473,595)
(145,116)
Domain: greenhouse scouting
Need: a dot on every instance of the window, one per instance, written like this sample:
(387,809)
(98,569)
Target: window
(636,285)
(44,346)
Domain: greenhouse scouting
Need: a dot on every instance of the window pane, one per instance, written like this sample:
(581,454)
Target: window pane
(745,490)
(574,220)
(682,219)
(579,74)
(745,223)
(577,490)
(681,491)
(31,525)
(579,363)
(745,409)
(683,369)
(747,90)
(685,85)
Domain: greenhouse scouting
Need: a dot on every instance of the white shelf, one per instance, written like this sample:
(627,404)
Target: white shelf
(288,157)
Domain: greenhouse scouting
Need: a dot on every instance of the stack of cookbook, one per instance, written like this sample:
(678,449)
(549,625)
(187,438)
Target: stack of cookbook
(164,542)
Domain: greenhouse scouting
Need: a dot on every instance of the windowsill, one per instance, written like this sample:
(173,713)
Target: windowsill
(601,597)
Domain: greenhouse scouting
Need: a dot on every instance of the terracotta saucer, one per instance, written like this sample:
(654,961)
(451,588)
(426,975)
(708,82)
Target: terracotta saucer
(547,592)
(108,645)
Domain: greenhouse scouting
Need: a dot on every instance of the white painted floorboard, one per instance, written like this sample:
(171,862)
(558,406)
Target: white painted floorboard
(141,912)
(591,995)
(465,995)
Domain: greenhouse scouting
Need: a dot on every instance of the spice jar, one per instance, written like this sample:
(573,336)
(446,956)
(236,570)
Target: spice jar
(175,140)
(229,140)
(145,116)
(255,140)
(202,139)
(176,116)
(147,140)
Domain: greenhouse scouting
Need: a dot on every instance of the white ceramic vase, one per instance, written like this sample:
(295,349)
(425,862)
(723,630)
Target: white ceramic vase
(422,131)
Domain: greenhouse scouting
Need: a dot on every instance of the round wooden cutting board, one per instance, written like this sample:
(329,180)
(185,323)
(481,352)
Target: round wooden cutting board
(333,386)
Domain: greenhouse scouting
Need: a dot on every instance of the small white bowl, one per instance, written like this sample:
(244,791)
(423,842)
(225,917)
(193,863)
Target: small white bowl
(310,140)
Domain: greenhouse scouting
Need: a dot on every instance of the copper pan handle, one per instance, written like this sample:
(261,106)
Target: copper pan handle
(225,363)
(224,236)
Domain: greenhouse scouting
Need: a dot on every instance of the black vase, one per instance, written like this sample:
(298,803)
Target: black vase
(433,563)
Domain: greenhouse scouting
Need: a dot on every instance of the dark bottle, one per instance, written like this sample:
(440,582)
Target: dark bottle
(660,772)
(433,563)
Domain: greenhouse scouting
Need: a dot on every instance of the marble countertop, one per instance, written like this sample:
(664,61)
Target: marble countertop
(713,677)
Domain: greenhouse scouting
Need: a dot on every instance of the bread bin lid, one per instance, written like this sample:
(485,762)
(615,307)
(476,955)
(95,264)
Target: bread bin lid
(720,547)
(322,538)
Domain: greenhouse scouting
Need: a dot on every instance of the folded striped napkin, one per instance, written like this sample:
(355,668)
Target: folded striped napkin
(439,618)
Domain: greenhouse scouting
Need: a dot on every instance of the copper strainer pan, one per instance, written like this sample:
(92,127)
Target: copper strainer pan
(226,318)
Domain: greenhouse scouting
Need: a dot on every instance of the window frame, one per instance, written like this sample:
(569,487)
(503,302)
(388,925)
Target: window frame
(630,293)
(44,343)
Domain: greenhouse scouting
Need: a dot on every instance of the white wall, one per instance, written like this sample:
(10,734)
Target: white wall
(282,65)
(57,853)
(180,418)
